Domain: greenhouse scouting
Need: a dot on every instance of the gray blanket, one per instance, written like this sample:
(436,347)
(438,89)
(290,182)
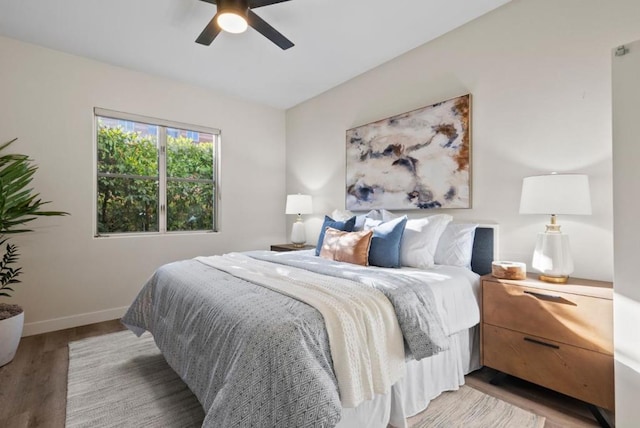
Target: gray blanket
(413,301)
(257,358)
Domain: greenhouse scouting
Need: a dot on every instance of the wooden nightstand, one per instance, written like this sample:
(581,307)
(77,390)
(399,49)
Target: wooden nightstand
(290,247)
(556,335)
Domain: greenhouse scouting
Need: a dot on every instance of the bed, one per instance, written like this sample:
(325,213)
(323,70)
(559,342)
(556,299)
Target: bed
(258,357)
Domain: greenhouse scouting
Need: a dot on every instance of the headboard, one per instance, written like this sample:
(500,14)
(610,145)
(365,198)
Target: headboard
(485,248)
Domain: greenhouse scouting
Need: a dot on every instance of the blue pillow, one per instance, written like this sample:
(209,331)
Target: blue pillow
(385,244)
(346,226)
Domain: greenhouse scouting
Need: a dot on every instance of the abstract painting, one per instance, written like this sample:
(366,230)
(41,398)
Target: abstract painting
(415,160)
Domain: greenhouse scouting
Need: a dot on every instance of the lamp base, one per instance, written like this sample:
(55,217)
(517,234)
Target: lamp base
(298,237)
(552,257)
(554,279)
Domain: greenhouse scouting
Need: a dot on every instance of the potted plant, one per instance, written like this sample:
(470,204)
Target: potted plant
(18,205)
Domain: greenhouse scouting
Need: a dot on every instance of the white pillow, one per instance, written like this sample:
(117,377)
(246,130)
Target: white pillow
(420,239)
(387,215)
(363,218)
(344,215)
(341,215)
(456,245)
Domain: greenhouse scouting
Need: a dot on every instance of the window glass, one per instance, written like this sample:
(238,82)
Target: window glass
(190,184)
(154,177)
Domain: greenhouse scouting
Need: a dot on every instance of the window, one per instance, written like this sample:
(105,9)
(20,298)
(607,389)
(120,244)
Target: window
(128,125)
(154,176)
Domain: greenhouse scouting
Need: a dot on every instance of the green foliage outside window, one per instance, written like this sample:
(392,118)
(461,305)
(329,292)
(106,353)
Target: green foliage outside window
(128,188)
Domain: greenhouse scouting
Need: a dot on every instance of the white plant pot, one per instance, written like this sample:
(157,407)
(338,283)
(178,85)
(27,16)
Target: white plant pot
(10,333)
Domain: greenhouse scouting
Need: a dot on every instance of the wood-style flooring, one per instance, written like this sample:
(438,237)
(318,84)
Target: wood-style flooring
(33,388)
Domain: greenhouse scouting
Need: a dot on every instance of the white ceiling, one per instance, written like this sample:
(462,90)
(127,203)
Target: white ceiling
(335,40)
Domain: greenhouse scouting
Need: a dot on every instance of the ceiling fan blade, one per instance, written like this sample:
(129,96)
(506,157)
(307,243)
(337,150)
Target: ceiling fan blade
(259,3)
(268,31)
(210,1)
(210,32)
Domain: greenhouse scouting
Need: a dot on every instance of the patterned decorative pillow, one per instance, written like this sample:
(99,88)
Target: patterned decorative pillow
(348,247)
(385,244)
(346,226)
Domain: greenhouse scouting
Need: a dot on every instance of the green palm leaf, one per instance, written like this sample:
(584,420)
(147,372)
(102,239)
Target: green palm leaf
(18,205)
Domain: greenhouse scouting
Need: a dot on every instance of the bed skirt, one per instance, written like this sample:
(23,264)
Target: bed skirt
(424,381)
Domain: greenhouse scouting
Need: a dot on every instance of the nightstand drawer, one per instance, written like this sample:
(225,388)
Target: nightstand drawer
(580,373)
(583,321)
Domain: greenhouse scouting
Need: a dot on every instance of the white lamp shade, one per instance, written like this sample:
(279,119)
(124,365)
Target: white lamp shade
(556,194)
(298,204)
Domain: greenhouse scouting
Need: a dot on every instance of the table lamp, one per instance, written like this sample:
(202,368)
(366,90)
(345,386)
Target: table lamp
(298,204)
(554,194)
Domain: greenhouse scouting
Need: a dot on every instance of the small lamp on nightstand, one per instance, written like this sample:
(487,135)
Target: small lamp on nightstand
(554,194)
(298,204)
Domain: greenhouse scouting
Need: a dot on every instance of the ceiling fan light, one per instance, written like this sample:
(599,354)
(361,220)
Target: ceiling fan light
(232,22)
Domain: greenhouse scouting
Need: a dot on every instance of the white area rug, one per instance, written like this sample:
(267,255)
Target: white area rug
(119,380)
(470,408)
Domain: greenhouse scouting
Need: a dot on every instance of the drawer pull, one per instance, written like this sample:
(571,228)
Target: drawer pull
(543,296)
(550,297)
(550,345)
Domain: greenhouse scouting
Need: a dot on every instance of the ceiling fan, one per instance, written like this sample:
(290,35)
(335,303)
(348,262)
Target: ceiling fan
(234,16)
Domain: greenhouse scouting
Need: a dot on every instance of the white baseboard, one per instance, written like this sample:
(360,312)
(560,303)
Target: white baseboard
(55,324)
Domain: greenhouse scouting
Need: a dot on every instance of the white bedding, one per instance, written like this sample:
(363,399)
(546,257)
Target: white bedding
(456,290)
(237,337)
(457,294)
(424,381)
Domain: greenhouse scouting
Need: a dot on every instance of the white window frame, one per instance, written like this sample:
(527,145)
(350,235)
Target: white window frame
(162,172)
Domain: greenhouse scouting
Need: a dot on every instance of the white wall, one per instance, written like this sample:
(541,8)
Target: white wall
(47,100)
(540,75)
(626,179)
